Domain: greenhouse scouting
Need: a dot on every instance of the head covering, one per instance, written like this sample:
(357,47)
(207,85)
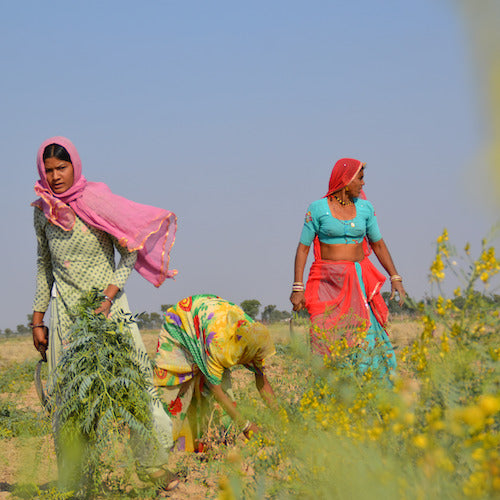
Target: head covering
(343,173)
(252,341)
(148,230)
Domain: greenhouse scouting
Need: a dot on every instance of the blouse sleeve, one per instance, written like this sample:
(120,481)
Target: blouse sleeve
(44,275)
(372,229)
(310,228)
(125,265)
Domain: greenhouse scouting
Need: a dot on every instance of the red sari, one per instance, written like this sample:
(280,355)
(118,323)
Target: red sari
(336,303)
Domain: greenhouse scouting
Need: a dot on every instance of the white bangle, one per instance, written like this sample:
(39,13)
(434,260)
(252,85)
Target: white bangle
(109,299)
(247,426)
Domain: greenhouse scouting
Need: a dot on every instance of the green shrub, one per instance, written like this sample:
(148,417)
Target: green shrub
(15,422)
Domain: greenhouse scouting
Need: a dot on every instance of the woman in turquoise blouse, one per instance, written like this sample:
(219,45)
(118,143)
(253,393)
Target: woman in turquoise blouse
(342,294)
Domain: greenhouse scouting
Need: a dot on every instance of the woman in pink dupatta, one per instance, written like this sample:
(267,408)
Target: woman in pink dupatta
(78,226)
(342,294)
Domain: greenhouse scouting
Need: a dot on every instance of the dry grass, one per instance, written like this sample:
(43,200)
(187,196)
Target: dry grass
(33,460)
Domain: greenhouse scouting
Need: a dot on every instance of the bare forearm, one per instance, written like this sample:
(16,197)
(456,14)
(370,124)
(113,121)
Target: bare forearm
(111,291)
(265,390)
(384,257)
(225,401)
(38,317)
(39,332)
(297,297)
(300,262)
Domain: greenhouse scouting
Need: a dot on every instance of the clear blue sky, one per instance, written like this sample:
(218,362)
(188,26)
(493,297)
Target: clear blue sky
(231,114)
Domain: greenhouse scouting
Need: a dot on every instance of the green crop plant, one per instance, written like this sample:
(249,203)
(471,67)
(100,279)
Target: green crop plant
(99,393)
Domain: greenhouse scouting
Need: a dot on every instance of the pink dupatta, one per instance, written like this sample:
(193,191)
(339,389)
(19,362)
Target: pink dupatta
(148,230)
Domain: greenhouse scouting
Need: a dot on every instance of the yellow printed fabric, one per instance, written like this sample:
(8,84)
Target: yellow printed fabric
(202,337)
(208,334)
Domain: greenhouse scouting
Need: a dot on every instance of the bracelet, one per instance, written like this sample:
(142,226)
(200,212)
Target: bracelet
(36,326)
(247,426)
(396,277)
(108,298)
(298,286)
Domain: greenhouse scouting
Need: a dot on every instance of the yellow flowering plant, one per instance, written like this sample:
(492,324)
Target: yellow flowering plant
(433,431)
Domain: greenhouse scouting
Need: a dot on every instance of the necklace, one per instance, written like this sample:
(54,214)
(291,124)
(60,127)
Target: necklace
(342,202)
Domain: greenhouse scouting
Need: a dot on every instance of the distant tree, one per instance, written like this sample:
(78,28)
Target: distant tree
(165,307)
(22,329)
(8,332)
(271,315)
(155,320)
(149,321)
(251,307)
(267,313)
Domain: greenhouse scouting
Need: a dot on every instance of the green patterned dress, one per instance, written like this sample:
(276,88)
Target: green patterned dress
(70,263)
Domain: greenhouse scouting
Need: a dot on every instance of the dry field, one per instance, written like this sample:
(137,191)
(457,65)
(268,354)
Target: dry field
(31,460)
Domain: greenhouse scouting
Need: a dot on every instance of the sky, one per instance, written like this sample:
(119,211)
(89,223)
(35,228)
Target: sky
(232,114)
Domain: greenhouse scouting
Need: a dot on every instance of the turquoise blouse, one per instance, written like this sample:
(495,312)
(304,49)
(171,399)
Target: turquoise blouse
(320,221)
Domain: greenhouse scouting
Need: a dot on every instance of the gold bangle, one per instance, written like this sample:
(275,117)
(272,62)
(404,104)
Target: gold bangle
(396,277)
(36,326)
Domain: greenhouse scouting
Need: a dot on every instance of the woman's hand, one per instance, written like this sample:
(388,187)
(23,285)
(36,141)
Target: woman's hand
(227,404)
(397,287)
(109,293)
(41,340)
(104,308)
(298,300)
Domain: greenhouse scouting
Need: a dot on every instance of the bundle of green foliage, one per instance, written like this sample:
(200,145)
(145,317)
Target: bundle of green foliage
(100,390)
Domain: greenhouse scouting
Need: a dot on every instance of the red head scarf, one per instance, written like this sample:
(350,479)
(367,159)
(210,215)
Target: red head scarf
(148,230)
(343,173)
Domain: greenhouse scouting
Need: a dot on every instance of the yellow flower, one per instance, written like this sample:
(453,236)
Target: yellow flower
(409,418)
(489,404)
(420,441)
(437,269)
(439,306)
(443,237)
(473,416)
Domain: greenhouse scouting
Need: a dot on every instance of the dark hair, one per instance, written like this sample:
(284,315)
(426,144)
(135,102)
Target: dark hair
(56,151)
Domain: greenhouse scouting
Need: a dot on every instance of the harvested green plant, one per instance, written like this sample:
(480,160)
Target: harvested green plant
(100,391)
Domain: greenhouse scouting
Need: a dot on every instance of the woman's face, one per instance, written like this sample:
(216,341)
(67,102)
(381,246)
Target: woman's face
(356,185)
(60,174)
